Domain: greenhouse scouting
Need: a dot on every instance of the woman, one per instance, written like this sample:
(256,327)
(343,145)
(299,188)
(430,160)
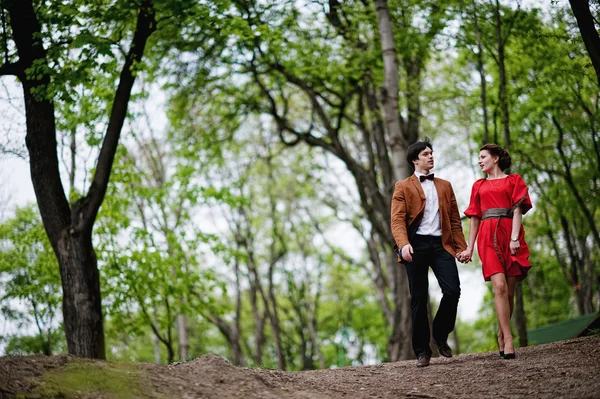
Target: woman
(497,206)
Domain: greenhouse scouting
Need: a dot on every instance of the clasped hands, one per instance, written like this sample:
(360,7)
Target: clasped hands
(463,257)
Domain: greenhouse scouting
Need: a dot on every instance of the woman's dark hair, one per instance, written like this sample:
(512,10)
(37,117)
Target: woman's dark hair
(413,151)
(495,150)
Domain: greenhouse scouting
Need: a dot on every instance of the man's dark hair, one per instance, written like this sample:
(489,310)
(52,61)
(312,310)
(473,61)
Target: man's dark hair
(413,151)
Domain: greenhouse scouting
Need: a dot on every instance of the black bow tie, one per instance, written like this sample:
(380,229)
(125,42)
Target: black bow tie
(423,178)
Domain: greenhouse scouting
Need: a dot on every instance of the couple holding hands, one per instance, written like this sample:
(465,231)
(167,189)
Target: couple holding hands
(428,233)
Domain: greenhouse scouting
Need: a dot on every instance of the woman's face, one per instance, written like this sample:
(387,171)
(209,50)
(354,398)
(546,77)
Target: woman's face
(487,161)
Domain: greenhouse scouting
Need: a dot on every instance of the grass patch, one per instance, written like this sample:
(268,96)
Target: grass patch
(115,380)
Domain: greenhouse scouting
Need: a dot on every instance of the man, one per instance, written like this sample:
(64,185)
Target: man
(428,233)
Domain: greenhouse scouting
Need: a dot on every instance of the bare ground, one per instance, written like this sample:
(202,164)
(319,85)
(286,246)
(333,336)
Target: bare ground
(566,369)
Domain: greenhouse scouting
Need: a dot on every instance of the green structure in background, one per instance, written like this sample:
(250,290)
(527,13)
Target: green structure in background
(577,327)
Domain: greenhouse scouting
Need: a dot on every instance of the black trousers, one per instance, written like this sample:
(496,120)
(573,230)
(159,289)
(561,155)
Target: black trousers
(429,252)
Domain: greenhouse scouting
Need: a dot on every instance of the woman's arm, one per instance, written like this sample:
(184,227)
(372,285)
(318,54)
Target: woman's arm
(473,230)
(515,243)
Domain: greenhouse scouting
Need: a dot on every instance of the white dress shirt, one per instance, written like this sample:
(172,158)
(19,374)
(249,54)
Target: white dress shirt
(430,225)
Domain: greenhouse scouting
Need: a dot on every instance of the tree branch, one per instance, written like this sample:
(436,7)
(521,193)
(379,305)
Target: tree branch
(40,120)
(12,68)
(85,210)
(512,23)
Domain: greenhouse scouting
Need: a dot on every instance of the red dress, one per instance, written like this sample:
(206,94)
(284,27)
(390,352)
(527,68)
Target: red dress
(500,193)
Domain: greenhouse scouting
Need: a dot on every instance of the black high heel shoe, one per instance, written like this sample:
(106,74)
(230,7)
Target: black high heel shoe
(501,353)
(508,356)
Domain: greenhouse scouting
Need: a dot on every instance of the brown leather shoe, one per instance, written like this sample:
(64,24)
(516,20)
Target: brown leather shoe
(444,349)
(423,360)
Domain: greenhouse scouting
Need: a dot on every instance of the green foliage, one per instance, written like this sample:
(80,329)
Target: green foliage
(30,278)
(151,250)
(547,294)
(23,345)
(350,304)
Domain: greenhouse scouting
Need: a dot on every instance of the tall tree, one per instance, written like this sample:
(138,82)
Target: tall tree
(69,227)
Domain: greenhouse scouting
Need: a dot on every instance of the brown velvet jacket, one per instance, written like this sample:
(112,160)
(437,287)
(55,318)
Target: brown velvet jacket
(408,206)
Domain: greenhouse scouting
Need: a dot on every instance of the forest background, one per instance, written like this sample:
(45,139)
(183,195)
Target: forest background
(216,177)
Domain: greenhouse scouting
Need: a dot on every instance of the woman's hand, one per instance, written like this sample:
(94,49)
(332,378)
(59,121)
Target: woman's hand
(514,246)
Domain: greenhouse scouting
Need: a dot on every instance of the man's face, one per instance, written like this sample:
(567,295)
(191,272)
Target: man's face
(425,160)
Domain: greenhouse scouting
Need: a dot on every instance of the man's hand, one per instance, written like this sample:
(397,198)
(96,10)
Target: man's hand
(407,252)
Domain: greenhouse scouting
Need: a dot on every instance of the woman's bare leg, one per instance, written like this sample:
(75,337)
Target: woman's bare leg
(511,282)
(503,313)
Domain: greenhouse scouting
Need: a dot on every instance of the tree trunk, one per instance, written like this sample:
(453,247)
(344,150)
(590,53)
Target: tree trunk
(45,339)
(169,341)
(378,132)
(237,355)
(380,282)
(502,72)
(413,102)
(182,322)
(274,319)
(156,343)
(182,331)
(480,69)
(587,274)
(598,290)
(399,343)
(313,334)
(389,91)
(82,309)
(259,319)
(456,341)
(520,316)
(232,336)
(589,34)
(575,262)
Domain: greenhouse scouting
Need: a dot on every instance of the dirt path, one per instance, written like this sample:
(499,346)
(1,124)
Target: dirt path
(567,369)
